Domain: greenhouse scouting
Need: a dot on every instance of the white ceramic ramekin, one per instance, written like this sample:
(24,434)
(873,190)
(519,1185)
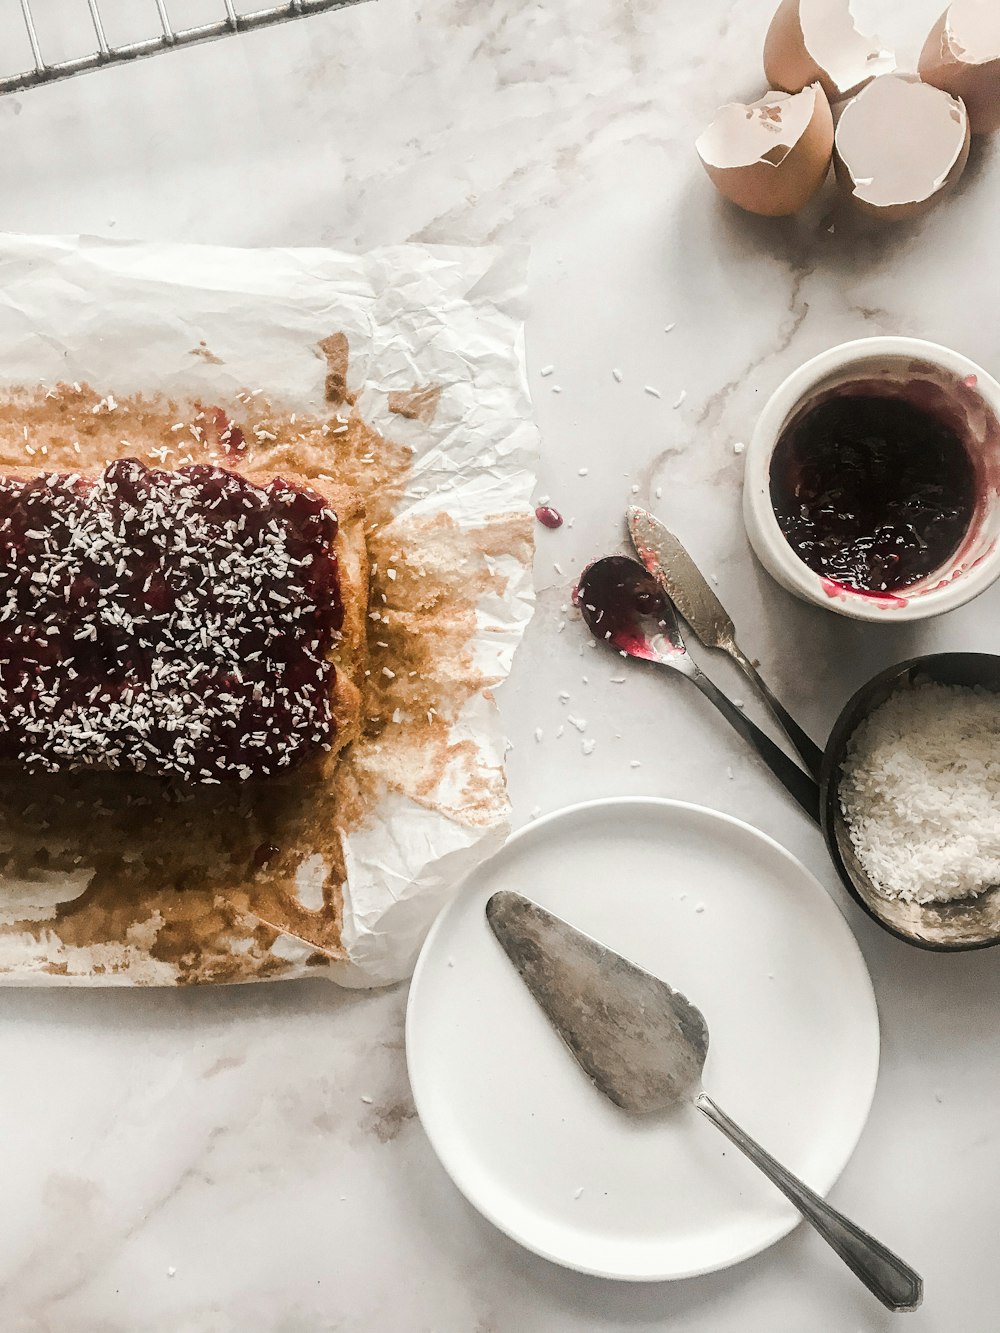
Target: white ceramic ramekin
(964,393)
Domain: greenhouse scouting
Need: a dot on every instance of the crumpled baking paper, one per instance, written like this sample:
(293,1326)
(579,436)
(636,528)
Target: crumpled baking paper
(127,315)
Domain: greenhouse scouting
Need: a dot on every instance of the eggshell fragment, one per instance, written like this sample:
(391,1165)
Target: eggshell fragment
(962,56)
(899,145)
(811,40)
(770,156)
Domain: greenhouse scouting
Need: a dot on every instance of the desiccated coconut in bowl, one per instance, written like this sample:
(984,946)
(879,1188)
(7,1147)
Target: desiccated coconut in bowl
(920,791)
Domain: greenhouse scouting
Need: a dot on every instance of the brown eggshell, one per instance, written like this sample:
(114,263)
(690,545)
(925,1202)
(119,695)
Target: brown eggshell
(771,156)
(813,41)
(962,56)
(900,145)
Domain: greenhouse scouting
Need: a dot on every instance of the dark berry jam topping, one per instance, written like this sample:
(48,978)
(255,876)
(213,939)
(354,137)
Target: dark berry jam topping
(872,493)
(175,623)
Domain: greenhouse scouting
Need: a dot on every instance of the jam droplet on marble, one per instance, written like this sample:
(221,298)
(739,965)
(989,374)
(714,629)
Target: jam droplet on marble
(549,517)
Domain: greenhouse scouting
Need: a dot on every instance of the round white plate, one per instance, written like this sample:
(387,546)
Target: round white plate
(728,917)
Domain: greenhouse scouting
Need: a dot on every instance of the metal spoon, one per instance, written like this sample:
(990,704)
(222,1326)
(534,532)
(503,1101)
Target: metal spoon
(626,608)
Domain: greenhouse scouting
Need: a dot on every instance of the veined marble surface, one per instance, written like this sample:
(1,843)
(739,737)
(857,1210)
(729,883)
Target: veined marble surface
(249,1159)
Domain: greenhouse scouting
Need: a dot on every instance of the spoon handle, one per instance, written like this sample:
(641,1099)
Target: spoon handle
(811,754)
(894,1282)
(800,785)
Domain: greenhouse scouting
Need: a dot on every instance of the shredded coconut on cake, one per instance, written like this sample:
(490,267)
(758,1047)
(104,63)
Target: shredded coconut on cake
(921,793)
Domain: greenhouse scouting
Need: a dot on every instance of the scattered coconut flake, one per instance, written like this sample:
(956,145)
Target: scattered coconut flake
(635,763)
(680,398)
(539,734)
(617,375)
(367,1100)
(579,722)
(669,328)
(739,447)
(546,371)
(557,388)
(653,393)
(582,473)
(578,1192)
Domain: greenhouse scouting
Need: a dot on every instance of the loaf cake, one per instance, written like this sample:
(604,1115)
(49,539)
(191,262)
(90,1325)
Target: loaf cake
(192,624)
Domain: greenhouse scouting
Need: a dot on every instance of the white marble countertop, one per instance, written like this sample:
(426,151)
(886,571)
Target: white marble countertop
(209,1160)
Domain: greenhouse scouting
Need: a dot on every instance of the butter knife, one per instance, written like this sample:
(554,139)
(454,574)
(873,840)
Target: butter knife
(689,590)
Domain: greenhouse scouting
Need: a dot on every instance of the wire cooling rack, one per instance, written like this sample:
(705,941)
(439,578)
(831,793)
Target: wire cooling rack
(164,37)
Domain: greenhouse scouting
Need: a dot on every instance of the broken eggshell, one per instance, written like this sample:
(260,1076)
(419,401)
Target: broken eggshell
(900,143)
(772,155)
(816,40)
(962,56)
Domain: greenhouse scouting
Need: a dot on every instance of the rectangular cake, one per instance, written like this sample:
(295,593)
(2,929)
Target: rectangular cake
(196,624)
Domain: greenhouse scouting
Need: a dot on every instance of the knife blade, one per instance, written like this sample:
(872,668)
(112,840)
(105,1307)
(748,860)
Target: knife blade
(689,590)
(686,586)
(640,1042)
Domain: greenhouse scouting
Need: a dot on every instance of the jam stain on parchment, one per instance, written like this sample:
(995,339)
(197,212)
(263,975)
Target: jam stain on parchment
(176,877)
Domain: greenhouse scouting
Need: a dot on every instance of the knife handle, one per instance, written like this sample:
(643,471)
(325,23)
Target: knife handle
(809,751)
(886,1276)
(802,786)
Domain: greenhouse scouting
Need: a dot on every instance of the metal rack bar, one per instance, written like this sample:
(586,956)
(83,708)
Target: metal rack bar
(170,38)
(95,16)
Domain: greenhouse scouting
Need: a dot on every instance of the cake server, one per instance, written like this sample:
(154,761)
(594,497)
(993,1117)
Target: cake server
(669,563)
(643,1045)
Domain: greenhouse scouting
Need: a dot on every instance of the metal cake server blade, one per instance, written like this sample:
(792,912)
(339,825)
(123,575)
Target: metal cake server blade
(667,560)
(639,1041)
(643,1044)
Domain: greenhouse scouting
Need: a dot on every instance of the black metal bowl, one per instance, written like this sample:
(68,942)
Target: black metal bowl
(966,923)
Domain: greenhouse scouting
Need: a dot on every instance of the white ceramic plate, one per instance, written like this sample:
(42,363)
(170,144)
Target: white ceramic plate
(736,923)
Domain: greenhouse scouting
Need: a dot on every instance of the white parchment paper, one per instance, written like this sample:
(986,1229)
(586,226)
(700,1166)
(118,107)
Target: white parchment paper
(126,316)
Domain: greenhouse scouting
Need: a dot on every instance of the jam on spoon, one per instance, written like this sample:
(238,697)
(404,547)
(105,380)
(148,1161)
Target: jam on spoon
(873,493)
